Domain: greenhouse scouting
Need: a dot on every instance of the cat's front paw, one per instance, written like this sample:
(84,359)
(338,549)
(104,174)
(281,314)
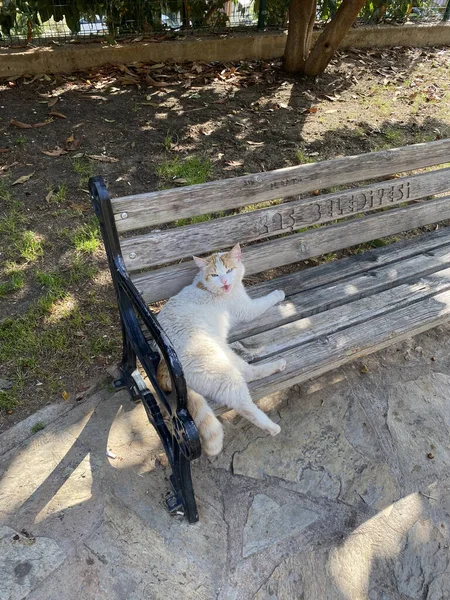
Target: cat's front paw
(278,296)
(280,365)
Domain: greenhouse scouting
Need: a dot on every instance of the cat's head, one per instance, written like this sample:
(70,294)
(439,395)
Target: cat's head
(221,271)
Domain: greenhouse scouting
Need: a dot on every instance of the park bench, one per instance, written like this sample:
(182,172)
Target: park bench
(333,313)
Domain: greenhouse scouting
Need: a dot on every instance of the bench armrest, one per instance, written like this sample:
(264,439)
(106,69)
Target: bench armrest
(131,306)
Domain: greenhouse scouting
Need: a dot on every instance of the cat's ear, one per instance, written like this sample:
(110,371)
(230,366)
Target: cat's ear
(236,253)
(200,262)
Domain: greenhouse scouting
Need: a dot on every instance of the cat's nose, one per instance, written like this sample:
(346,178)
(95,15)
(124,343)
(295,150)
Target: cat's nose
(223,280)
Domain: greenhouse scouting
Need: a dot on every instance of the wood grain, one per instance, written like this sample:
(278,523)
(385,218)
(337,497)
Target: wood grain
(180,242)
(303,330)
(321,355)
(167,281)
(144,210)
(345,291)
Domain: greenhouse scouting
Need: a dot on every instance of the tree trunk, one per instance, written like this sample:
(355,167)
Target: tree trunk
(331,37)
(302,15)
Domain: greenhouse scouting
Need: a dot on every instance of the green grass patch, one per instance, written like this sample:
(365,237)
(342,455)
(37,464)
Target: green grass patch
(86,238)
(84,169)
(30,246)
(15,282)
(57,195)
(190,171)
(302,157)
(39,426)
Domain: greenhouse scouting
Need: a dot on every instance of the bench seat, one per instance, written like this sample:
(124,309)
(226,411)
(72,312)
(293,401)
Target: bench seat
(340,311)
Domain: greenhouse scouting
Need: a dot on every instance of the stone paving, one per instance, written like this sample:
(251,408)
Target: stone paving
(350,502)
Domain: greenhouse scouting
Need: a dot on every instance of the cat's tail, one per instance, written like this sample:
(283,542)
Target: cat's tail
(209,427)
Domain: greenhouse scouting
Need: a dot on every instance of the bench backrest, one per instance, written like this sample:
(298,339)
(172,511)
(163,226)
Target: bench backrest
(159,259)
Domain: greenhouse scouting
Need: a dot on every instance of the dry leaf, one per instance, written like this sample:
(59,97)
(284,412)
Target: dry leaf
(52,102)
(70,139)
(72,143)
(54,113)
(312,109)
(49,196)
(6,167)
(43,124)
(151,81)
(20,125)
(23,179)
(102,158)
(250,143)
(56,152)
(65,395)
(5,149)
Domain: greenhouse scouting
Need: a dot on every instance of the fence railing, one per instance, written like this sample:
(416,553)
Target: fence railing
(24,22)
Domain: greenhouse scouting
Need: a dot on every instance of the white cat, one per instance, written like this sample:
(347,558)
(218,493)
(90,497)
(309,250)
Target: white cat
(197,321)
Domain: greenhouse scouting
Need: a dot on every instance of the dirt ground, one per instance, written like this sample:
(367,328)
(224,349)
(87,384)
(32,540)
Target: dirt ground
(135,126)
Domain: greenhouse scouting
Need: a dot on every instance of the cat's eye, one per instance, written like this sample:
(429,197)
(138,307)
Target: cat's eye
(229,271)
(214,275)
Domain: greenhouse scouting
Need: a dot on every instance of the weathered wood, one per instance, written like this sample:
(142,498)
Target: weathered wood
(322,355)
(336,270)
(180,242)
(325,323)
(345,291)
(144,210)
(167,281)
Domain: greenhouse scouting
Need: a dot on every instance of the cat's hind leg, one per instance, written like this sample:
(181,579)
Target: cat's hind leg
(233,393)
(252,372)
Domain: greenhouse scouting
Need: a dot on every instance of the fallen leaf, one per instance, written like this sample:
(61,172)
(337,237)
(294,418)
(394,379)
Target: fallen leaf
(5,149)
(20,125)
(65,395)
(43,124)
(312,109)
(70,139)
(49,196)
(102,158)
(23,179)
(250,143)
(56,152)
(150,81)
(6,167)
(364,369)
(54,113)
(78,155)
(157,66)
(52,102)
(331,110)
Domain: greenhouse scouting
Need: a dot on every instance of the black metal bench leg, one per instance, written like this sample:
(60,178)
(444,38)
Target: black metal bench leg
(182,486)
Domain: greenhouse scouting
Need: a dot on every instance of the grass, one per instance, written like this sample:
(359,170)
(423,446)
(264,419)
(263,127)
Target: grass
(15,282)
(190,171)
(39,426)
(302,157)
(84,169)
(57,195)
(60,330)
(86,238)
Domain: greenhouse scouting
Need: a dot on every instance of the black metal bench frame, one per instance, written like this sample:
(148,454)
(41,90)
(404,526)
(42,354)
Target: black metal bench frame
(176,429)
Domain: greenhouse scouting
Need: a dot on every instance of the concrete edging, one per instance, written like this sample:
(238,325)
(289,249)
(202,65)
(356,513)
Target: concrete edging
(232,47)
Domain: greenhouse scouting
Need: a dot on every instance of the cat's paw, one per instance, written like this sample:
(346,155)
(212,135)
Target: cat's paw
(273,429)
(278,296)
(280,365)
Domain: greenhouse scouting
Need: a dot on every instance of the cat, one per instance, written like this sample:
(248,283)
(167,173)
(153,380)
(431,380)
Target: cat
(197,321)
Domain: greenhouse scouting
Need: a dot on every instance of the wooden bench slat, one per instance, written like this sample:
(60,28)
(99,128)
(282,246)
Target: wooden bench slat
(166,282)
(180,242)
(322,355)
(336,270)
(344,291)
(144,210)
(303,330)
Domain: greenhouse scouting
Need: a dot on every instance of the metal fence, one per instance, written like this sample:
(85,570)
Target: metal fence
(24,22)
